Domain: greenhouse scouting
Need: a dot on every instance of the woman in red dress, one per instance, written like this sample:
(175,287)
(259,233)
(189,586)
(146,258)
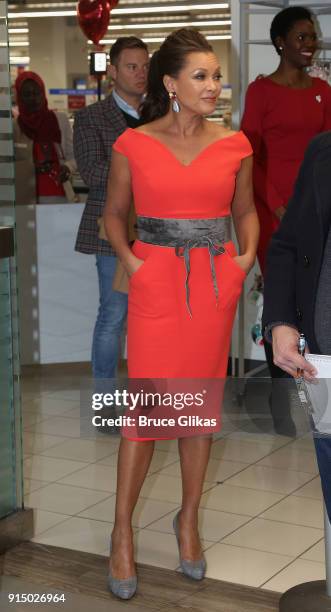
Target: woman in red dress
(187,177)
(283,112)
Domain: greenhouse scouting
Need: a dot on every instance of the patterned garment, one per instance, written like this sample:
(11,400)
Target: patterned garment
(95,130)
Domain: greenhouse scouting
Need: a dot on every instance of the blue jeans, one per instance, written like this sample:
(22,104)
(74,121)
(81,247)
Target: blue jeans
(113,307)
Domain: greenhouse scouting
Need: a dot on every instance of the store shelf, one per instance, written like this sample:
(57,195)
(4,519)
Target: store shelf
(269,3)
(322,5)
(326,44)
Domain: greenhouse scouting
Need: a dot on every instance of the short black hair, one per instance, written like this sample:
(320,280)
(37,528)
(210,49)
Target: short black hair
(284,21)
(125,42)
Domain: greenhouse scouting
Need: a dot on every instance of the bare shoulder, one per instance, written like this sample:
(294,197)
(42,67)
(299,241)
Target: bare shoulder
(151,128)
(228,133)
(141,128)
(218,131)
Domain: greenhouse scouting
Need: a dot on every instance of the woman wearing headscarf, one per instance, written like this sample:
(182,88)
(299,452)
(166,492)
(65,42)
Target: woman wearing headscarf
(43,146)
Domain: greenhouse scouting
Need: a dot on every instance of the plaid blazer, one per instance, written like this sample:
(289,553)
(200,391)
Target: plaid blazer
(96,128)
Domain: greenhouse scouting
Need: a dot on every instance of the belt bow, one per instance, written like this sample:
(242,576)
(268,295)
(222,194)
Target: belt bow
(183,248)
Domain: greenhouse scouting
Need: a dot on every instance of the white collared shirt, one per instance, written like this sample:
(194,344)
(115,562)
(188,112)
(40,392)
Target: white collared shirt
(124,106)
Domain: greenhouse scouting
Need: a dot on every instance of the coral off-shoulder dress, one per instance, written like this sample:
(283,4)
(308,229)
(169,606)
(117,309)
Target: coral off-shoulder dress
(164,341)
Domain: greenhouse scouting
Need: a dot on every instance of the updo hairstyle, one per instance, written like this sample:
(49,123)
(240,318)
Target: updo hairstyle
(169,59)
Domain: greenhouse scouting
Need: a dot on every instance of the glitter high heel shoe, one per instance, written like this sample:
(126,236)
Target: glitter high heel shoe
(124,589)
(193,569)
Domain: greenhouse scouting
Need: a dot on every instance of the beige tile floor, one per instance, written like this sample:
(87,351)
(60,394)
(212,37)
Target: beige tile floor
(261,516)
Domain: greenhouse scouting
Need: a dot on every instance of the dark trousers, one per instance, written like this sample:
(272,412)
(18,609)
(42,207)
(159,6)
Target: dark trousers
(281,413)
(323,452)
(280,397)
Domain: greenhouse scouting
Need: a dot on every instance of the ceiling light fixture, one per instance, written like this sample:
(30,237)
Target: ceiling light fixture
(18,31)
(43,5)
(19,59)
(19,24)
(29,15)
(111,41)
(124,11)
(171,3)
(164,18)
(179,24)
(219,37)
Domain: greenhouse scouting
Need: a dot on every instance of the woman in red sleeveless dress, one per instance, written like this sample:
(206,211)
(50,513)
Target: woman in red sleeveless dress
(187,176)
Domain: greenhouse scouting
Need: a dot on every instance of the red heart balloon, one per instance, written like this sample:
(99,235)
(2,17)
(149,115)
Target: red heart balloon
(93,17)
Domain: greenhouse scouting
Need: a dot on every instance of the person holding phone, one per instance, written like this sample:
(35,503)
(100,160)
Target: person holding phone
(297,288)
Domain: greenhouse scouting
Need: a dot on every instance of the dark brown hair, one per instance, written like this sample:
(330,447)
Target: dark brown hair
(169,59)
(125,42)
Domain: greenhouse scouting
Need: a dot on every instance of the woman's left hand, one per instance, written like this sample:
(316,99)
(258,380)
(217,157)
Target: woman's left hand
(244,262)
(280,212)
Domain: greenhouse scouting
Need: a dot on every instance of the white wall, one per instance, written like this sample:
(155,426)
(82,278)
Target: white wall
(47,50)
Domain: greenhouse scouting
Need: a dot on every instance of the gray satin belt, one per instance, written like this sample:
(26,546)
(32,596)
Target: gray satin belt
(184,235)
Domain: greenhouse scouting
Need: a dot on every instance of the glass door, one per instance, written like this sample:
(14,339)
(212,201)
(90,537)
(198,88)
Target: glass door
(11,488)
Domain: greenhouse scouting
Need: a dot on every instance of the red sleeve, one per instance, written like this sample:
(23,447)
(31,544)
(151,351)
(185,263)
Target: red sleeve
(327,108)
(252,126)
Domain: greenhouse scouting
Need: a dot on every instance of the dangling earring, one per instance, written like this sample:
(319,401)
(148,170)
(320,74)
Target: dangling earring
(280,48)
(175,103)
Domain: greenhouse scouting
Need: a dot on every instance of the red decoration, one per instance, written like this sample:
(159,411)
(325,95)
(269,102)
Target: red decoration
(93,17)
(76,102)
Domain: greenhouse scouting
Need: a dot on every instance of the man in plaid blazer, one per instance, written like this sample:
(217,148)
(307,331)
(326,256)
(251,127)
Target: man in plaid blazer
(95,130)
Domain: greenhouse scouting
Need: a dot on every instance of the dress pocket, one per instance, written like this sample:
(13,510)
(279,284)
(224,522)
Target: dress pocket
(236,265)
(142,271)
(231,278)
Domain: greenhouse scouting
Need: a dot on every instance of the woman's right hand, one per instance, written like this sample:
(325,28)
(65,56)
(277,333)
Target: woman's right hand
(133,265)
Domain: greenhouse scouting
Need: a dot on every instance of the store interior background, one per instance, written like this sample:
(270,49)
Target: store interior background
(262,517)
(57,324)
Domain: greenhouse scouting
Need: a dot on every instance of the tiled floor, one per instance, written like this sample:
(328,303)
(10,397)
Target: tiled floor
(261,512)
